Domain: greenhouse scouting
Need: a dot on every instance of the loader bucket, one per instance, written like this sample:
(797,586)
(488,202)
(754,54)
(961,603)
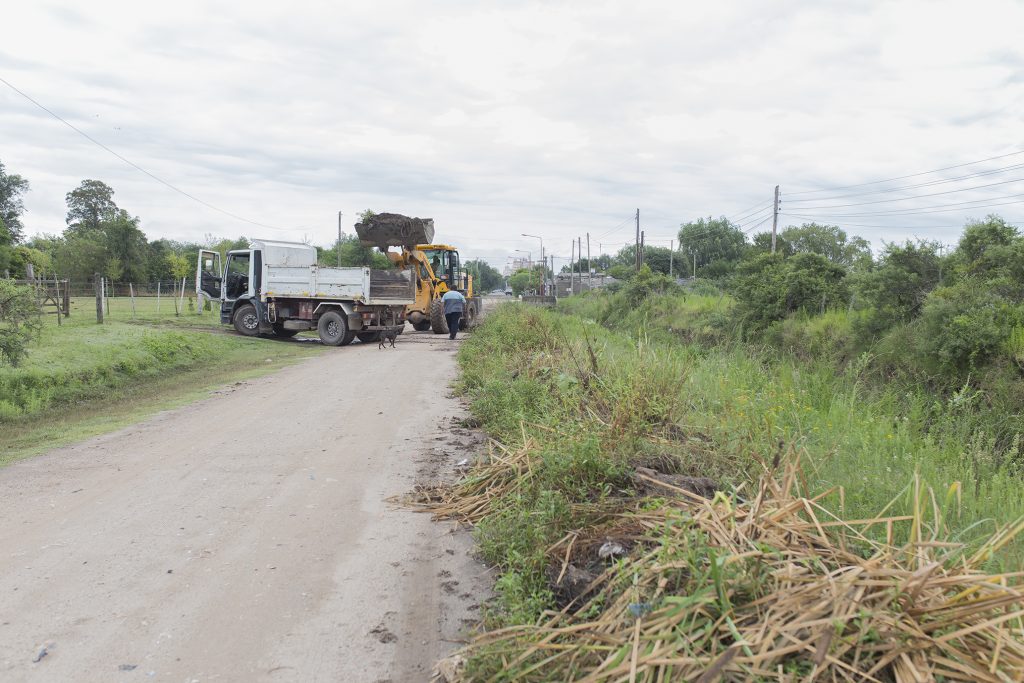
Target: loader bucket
(385,230)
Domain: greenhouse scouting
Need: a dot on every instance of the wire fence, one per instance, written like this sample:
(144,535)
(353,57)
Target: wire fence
(141,301)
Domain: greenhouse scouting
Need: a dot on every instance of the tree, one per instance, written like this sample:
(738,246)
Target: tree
(896,289)
(485,278)
(770,287)
(829,241)
(353,253)
(19,320)
(89,205)
(80,257)
(992,251)
(522,280)
(12,188)
(126,243)
(23,255)
(717,244)
(179,265)
(762,244)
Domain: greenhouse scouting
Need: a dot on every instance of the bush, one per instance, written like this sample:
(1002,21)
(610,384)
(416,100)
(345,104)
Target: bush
(19,321)
(965,326)
(768,287)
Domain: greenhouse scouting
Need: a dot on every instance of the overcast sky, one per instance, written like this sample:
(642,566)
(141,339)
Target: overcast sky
(551,118)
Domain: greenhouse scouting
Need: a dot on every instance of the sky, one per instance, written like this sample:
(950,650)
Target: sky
(496,119)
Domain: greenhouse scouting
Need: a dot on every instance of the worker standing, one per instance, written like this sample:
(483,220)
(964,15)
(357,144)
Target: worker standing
(454,305)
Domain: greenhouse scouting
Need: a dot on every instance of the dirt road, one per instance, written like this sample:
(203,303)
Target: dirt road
(246,537)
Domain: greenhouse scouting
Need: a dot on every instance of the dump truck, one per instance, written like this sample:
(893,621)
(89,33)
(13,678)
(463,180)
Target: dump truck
(436,267)
(277,288)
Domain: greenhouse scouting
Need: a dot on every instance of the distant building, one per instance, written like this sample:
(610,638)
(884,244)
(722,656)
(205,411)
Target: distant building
(515,265)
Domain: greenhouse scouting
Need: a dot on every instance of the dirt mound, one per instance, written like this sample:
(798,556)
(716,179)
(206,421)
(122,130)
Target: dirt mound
(385,230)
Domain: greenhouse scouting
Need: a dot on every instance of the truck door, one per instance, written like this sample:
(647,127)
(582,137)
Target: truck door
(238,275)
(208,274)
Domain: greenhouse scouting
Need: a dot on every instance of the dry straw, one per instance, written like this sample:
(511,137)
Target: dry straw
(775,587)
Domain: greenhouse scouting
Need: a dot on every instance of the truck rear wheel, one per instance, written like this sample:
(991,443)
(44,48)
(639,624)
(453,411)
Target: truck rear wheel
(246,321)
(333,329)
(437,321)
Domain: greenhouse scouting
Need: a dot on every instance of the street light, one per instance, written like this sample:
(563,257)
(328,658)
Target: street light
(544,271)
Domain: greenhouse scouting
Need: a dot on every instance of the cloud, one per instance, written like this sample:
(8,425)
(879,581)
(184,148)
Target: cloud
(555,118)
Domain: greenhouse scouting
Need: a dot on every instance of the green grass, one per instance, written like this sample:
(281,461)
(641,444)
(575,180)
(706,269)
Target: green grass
(659,398)
(82,378)
(147,310)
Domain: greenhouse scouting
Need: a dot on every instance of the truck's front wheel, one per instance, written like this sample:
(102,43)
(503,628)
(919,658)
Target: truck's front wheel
(246,321)
(333,329)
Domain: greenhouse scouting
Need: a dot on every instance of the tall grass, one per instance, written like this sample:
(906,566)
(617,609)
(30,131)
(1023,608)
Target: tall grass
(599,402)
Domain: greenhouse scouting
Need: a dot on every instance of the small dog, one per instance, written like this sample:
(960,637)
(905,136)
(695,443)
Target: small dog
(387,335)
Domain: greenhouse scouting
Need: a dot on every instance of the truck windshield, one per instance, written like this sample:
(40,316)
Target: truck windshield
(237,276)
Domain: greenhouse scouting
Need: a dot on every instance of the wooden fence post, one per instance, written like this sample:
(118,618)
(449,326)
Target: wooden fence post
(56,295)
(98,285)
(158,297)
(131,297)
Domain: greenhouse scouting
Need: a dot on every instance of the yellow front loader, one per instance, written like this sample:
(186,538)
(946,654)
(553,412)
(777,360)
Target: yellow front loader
(437,269)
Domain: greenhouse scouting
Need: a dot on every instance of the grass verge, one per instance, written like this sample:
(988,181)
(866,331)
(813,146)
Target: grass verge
(583,412)
(83,379)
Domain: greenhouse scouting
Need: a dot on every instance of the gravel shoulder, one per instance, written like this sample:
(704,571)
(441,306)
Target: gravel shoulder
(248,536)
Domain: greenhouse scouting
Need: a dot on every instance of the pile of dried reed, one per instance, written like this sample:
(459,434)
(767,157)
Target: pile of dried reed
(775,587)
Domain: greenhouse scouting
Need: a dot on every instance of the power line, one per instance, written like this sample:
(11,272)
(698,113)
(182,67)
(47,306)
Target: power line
(930,183)
(924,210)
(911,175)
(920,196)
(739,216)
(140,168)
(912,210)
(617,228)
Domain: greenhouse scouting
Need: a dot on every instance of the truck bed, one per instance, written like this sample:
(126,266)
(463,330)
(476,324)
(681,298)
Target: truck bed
(376,287)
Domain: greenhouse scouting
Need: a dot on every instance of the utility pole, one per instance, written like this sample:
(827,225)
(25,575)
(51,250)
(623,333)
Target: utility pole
(579,268)
(572,267)
(339,239)
(637,240)
(671,253)
(641,251)
(775,217)
(694,265)
(590,271)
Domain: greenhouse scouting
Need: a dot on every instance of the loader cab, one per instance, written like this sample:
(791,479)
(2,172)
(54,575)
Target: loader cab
(444,261)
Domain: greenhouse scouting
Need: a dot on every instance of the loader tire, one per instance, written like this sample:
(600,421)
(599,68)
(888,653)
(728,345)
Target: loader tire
(246,320)
(469,317)
(333,329)
(368,337)
(421,326)
(282,333)
(437,321)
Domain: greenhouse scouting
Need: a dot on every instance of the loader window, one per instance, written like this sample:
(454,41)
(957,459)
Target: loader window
(438,263)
